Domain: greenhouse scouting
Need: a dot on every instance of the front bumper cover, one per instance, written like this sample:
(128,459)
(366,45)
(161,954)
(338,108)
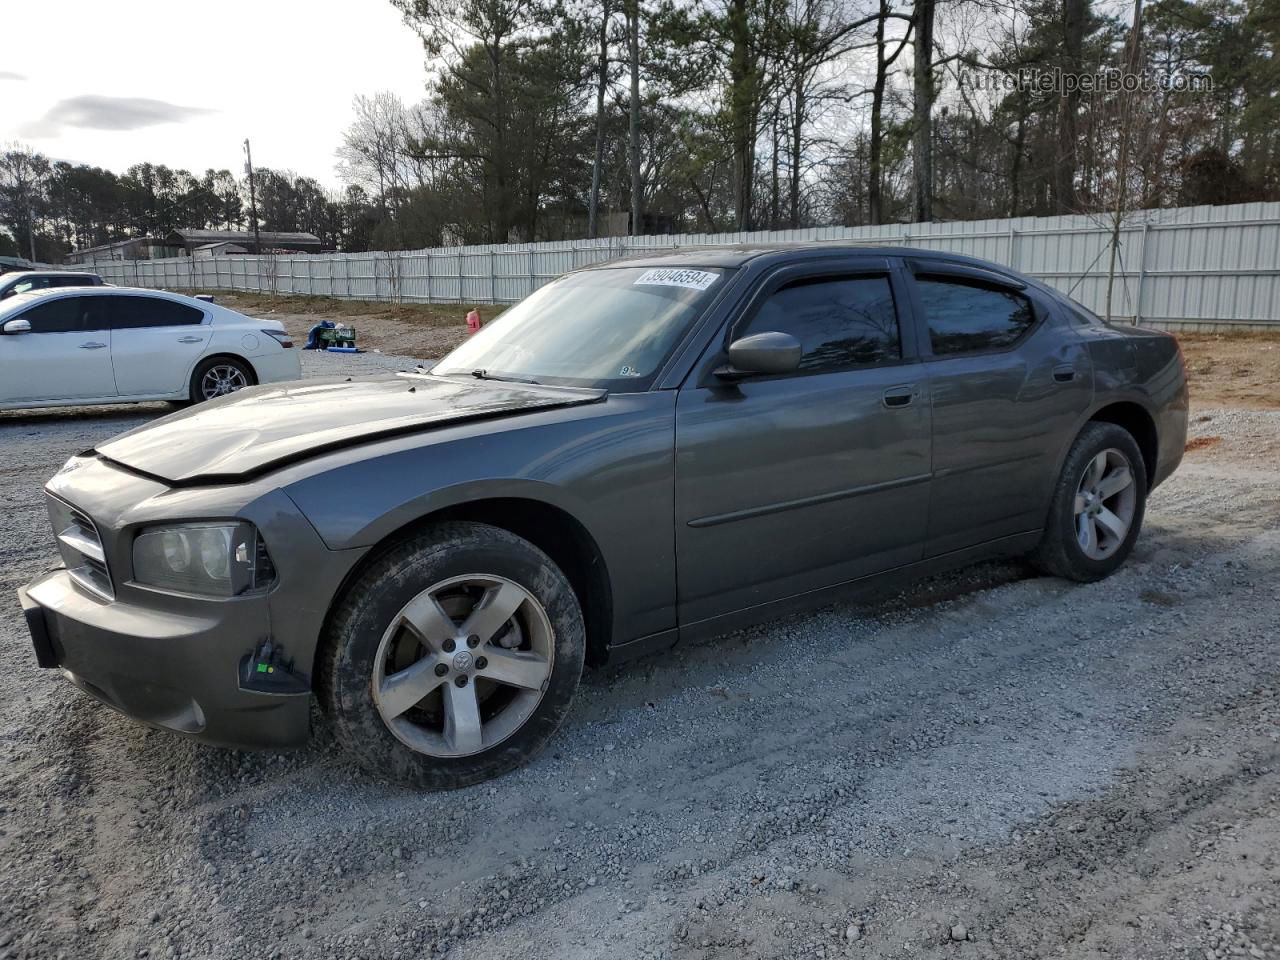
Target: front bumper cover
(176,671)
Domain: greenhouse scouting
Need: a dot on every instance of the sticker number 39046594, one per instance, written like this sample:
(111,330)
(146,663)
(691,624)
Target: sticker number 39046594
(671,277)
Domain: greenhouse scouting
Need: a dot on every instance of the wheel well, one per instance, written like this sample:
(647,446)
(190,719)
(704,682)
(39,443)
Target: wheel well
(1141,427)
(225,356)
(555,532)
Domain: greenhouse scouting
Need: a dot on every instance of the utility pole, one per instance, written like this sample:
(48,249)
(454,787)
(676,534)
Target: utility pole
(31,232)
(253,198)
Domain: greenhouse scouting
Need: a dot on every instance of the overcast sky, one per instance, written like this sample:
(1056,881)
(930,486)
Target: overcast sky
(182,83)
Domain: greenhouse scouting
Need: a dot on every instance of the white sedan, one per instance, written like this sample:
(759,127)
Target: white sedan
(80,345)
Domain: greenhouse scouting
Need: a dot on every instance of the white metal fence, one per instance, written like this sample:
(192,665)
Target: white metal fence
(1185,268)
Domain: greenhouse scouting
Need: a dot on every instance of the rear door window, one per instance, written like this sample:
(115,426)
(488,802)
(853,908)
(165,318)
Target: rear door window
(971,317)
(130,313)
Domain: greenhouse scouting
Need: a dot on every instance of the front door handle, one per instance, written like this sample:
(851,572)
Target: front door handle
(92,345)
(191,339)
(1064,372)
(900,396)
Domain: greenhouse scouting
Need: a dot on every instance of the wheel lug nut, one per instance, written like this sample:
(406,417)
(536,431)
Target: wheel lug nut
(473,641)
(448,646)
(460,680)
(441,669)
(481,663)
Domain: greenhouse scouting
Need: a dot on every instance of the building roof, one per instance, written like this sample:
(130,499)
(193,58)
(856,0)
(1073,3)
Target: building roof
(115,244)
(220,243)
(268,237)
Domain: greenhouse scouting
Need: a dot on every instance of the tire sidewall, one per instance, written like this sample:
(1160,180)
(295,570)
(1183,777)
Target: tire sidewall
(1096,438)
(389,584)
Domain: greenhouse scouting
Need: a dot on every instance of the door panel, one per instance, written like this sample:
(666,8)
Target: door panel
(66,356)
(1000,420)
(154,343)
(794,484)
(789,484)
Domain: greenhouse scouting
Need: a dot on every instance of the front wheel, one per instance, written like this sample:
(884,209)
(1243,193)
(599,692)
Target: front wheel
(454,657)
(1097,506)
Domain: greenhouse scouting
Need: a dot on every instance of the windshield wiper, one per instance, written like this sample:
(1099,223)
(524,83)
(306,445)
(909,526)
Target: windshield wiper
(481,374)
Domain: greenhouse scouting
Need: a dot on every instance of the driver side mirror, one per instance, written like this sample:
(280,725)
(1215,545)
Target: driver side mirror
(17,326)
(762,353)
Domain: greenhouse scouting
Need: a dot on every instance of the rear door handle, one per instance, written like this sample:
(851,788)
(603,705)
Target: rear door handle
(191,339)
(1064,372)
(92,345)
(900,396)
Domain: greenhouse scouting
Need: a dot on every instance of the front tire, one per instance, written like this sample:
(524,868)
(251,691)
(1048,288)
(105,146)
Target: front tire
(453,658)
(1097,507)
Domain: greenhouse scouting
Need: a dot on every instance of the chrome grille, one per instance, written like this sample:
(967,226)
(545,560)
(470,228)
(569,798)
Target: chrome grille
(81,548)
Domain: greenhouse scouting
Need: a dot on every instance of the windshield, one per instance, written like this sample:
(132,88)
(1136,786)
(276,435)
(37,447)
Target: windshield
(610,328)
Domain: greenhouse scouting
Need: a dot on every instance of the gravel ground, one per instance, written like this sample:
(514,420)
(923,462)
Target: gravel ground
(990,765)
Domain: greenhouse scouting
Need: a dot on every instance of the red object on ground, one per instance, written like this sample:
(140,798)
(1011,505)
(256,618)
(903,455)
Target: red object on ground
(473,321)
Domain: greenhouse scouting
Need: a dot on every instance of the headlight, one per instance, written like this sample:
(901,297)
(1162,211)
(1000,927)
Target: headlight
(212,559)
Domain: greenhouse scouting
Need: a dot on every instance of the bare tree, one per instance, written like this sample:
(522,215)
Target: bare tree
(922,111)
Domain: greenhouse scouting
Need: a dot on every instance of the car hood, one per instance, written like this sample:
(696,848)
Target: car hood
(262,428)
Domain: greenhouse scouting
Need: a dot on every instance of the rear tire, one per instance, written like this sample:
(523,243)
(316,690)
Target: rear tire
(453,658)
(219,376)
(1097,506)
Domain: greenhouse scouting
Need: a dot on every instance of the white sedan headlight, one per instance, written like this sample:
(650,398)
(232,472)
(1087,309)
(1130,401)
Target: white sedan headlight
(217,559)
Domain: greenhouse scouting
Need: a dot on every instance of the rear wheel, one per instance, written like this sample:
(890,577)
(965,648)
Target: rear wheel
(1097,506)
(219,376)
(454,657)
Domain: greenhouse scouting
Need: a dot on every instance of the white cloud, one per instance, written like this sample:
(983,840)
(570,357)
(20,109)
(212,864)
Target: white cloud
(282,73)
(93,112)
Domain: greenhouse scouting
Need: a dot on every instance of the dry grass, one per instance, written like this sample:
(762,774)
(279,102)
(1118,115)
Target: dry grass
(430,314)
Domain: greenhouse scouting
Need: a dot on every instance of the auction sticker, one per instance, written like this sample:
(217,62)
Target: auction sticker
(671,277)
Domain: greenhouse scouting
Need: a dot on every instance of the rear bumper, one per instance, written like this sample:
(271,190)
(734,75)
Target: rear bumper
(176,671)
(277,365)
(1171,429)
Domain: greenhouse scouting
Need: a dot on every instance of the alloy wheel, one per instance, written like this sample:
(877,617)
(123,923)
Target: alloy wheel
(1105,502)
(222,379)
(463,665)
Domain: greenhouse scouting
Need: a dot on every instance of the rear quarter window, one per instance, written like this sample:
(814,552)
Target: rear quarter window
(971,317)
(130,313)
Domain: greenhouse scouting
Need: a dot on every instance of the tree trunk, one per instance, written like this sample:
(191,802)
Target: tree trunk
(1064,180)
(922,138)
(602,82)
(1015,163)
(633,42)
(799,108)
(774,189)
(1122,161)
(741,111)
(875,178)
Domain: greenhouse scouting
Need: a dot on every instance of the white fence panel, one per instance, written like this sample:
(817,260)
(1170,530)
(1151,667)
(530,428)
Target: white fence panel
(1191,267)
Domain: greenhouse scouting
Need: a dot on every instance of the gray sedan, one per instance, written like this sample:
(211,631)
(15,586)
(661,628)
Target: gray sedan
(638,453)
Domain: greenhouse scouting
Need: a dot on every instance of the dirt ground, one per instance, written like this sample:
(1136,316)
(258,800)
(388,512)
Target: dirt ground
(1233,370)
(425,331)
(990,765)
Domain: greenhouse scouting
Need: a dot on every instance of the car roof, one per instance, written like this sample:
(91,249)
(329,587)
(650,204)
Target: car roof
(739,254)
(52,293)
(23,274)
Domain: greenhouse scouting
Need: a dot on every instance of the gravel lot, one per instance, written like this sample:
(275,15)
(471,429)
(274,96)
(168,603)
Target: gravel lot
(991,765)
